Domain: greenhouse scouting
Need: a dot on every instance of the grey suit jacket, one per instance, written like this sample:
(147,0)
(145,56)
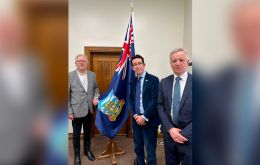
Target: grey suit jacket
(80,101)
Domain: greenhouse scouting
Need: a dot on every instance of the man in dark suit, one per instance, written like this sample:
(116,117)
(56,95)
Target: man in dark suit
(143,105)
(175,110)
(83,94)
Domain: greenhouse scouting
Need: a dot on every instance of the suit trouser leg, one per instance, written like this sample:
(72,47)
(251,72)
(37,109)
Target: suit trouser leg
(150,140)
(76,125)
(87,125)
(170,149)
(185,153)
(139,143)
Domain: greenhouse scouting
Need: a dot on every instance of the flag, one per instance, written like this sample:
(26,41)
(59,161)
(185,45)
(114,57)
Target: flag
(112,107)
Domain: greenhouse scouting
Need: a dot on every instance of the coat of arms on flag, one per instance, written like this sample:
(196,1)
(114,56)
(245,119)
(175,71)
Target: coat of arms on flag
(111,106)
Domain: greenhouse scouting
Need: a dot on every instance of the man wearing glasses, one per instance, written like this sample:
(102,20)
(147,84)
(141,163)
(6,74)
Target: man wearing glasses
(83,94)
(143,106)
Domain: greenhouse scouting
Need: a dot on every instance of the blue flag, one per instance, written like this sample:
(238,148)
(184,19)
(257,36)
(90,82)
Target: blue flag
(112,107)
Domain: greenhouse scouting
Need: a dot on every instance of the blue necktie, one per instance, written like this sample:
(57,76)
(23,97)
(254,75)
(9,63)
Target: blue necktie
(137,95)
(176,100)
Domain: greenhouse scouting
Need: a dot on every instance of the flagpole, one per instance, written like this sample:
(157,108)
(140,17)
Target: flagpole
(112,149)
(133,20)
(132,6)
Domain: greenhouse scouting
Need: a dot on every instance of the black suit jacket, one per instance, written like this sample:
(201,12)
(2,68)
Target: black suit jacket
(149,95)
(165,102)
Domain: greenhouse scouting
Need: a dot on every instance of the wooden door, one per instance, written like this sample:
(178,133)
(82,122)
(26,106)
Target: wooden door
(103,62)
(104,65)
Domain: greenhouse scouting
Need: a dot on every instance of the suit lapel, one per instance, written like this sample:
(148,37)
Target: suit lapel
(170,85)
(134,85)
(146,79)
(78,80)
(187,89)
(89,79)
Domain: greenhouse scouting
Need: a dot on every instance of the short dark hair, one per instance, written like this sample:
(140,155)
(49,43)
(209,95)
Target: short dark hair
(137,56)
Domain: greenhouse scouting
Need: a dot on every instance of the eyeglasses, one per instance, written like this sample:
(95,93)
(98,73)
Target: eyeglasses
(83,61)
(137,64)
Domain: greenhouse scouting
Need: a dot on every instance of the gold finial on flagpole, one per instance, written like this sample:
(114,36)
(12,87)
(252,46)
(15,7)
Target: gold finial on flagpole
(132,6)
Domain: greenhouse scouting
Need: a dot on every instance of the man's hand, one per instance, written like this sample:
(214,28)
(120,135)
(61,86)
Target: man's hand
(176,135)
(140,120)
(95,101)
(71,116)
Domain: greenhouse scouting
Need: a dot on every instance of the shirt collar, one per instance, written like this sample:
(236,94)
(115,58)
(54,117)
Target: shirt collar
(143,75)
(81,73)
(184,76)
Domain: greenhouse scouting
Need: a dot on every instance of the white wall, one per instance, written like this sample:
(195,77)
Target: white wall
(159,28)
(187,36)
(211,42)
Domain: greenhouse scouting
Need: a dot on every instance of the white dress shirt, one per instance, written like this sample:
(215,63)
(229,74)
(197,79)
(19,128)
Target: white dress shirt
(83,79)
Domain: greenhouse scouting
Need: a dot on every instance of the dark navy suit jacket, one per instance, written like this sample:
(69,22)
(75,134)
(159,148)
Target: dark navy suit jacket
(215,113)
(149,95)
(165,102)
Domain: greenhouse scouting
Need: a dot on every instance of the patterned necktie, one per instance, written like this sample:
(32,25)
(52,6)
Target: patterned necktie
(137,95)
(176,100)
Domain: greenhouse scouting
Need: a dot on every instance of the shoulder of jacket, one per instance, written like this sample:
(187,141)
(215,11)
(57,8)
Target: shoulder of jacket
(72,73)
(151,76)
(91,72)
(166,78)
(190,76)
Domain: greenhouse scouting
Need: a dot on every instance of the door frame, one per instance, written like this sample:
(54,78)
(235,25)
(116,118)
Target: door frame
(88,51)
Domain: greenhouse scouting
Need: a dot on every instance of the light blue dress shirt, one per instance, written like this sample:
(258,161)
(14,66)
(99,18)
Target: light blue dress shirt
(141,94)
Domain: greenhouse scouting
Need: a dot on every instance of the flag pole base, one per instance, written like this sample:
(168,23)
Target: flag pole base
(111,152)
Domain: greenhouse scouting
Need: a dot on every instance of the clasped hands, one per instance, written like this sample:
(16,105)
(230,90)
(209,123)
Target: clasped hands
(176,135)
(139,120)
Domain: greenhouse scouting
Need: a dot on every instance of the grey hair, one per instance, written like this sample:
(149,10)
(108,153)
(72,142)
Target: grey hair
(180,50)
(79,55)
